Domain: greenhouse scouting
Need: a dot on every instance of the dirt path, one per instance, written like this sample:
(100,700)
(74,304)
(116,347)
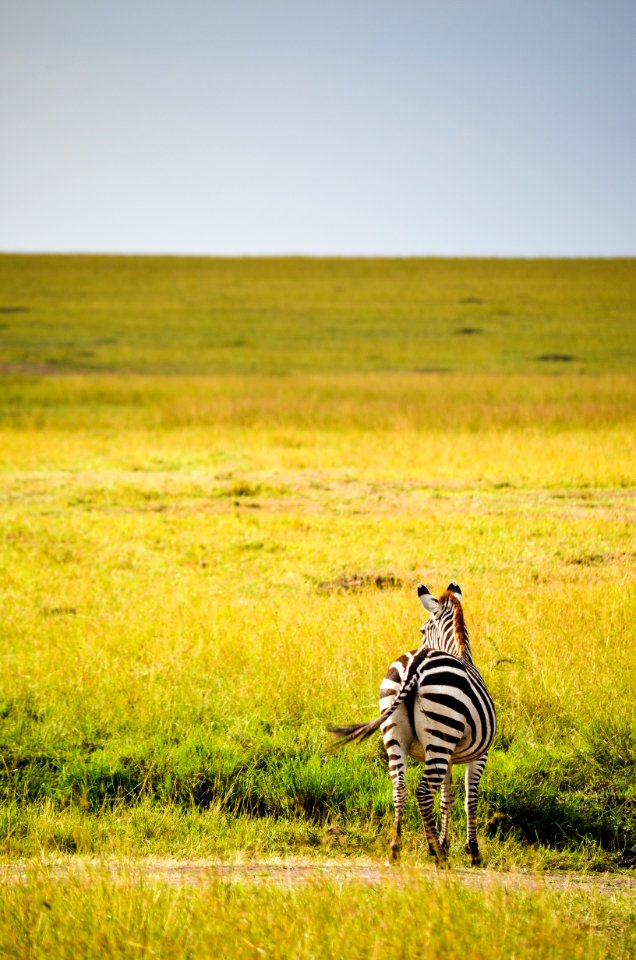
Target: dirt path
(292,872)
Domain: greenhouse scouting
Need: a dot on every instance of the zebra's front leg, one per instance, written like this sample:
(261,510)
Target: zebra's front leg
(446,804)
(472,777)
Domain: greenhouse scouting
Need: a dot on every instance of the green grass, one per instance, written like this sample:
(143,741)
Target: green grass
(101,915)
(279,315)
(204,562)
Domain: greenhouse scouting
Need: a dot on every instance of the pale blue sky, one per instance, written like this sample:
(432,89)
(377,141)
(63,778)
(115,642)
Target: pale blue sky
(503,127)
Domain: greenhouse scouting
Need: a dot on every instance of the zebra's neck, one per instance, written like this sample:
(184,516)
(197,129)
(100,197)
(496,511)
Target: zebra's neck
(441,635)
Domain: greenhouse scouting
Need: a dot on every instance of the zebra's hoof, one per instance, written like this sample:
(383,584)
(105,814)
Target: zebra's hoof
(395,849)
(475,856)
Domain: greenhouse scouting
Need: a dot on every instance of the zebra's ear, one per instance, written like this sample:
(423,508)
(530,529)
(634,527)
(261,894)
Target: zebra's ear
(427,600)
(454,588)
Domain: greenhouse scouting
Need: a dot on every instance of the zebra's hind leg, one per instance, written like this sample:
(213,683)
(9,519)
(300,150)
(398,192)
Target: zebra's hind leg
(399,799)
(397,771)
(433,777)
(474,770)
(446,804)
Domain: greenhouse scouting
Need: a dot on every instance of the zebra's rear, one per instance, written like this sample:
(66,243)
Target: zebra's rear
(449,707)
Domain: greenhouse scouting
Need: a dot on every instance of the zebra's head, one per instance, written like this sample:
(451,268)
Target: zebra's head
(446,629)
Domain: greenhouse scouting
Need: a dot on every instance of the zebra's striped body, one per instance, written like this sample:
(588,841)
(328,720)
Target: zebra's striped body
(434,706)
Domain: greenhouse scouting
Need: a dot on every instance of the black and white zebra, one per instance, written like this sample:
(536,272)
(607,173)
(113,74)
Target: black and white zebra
(434,705)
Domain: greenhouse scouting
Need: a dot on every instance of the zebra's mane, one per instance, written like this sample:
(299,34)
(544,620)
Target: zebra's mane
(459,625)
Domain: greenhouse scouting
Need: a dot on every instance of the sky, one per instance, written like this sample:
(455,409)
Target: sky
(316,127)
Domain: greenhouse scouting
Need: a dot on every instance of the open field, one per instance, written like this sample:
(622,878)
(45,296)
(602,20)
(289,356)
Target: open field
(220,483)
(180,315)
(93,911)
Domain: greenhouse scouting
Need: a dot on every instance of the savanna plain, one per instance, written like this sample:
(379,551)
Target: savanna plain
(220,483)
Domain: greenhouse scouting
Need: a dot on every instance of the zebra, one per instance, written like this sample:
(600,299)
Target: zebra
(434,706)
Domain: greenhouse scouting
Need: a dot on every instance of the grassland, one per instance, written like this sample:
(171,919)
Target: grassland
(94,914)
(178,315)
(220,482)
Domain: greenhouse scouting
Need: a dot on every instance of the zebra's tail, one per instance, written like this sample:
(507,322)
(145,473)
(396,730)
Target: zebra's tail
(358,732)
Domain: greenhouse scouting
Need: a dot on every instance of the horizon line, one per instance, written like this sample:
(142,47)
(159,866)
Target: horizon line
(316,256)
